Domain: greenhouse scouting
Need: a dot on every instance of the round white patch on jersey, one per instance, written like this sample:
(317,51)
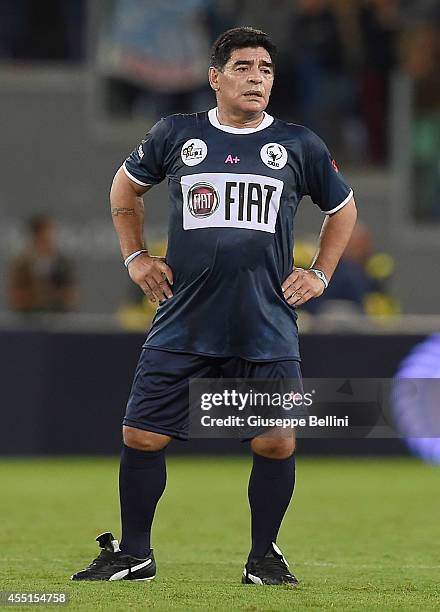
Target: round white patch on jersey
(274,155)
(194,152)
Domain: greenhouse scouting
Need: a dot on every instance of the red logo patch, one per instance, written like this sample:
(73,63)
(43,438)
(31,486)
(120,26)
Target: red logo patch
(335,165)
(203,200)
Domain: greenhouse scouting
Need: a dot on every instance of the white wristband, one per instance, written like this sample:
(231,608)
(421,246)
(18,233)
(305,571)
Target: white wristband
(320,274)
(133,256)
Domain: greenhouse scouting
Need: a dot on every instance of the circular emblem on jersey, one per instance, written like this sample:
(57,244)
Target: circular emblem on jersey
(194,151)
(203,200)
(274,155)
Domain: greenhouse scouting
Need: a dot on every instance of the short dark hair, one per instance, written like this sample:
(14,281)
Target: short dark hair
(240,38)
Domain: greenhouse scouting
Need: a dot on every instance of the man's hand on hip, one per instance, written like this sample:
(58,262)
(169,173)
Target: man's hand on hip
(301,286)
(153,276)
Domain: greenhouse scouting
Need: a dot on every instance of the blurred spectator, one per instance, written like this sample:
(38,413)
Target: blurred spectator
(40,278)
(155,56)
(52,30)
(420,60)
(359,280)
(421,56)
(379,24)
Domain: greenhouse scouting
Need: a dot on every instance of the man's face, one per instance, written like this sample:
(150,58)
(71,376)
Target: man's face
(246,81)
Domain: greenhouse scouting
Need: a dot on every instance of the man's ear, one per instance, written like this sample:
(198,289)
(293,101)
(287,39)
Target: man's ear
(213,78)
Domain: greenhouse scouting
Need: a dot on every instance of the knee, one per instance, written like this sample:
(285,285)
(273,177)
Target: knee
(144,440)
(274,448)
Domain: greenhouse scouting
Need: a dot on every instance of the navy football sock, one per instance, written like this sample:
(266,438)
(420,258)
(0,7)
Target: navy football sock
(270,490)
(142,478)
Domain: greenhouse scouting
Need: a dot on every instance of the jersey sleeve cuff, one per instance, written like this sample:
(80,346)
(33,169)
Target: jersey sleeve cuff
(133,178)
(339,206)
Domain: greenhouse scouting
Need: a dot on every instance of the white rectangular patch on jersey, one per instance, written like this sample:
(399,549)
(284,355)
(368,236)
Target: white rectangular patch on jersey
(245,201)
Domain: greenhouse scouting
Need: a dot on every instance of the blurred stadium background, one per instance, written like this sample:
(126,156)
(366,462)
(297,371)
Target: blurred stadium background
(81,81)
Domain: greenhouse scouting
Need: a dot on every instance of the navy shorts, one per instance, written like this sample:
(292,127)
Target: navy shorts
(159,397)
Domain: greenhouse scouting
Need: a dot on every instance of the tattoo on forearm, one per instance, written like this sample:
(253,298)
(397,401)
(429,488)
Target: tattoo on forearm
(123,211)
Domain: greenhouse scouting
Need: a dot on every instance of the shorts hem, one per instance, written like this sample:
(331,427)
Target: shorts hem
(154,429)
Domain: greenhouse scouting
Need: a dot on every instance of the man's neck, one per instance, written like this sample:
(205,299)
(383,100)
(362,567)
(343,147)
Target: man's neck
(238,120)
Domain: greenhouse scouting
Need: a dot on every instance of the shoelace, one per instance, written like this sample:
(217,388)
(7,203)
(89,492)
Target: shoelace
(102,559)
(272,566)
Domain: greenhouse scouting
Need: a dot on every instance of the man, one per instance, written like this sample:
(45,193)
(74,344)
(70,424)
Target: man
(41,279)
(227,288)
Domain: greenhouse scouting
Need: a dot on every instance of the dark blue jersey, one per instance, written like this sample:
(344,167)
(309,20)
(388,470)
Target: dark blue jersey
(233,198)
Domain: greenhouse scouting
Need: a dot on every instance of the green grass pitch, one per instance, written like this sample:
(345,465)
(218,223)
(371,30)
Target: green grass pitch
(360,535)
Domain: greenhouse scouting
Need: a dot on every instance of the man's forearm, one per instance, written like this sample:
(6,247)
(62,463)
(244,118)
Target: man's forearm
(127,208)
(128,219)
(335,234)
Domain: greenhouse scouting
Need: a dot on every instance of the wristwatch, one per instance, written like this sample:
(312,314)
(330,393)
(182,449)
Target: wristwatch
(320,274)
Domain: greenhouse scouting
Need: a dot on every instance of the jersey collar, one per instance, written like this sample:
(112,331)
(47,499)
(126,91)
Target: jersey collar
(213,120)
